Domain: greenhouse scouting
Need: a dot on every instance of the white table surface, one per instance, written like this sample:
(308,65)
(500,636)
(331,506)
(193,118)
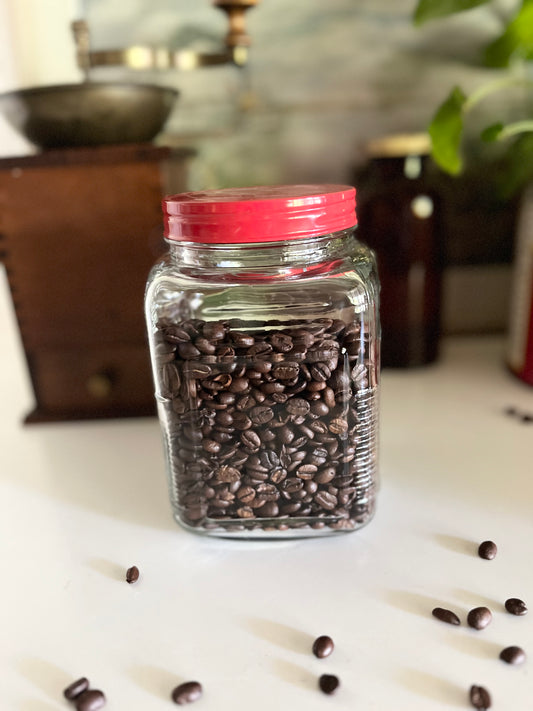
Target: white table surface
(81,502)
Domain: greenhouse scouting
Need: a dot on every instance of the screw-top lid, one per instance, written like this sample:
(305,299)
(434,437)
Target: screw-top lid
(259,214)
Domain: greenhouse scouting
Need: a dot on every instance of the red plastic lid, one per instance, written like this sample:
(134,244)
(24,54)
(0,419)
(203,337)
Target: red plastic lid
(259,214)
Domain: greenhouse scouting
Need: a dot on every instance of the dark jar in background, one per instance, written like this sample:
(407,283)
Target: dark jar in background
(399,218)
(264,337)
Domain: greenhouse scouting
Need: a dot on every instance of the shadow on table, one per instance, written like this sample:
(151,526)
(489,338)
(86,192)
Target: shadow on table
(35,705)
(156,681)
(474,646)
(108,568)
(294,674)
(457,544)
(114,468)
(433,687)
(281,635)
(50,679)
(417,604)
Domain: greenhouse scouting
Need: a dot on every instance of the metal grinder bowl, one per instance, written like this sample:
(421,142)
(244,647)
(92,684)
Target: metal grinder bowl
(88,114)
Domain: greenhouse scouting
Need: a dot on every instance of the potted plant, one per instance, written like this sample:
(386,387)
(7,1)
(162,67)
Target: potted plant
(511,51)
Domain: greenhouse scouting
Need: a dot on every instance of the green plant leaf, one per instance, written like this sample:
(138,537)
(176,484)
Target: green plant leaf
(431,9)
(446,130)
(518,168)
(516,40)
(492,132)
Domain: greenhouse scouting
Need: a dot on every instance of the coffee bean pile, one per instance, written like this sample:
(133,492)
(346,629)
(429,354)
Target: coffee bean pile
(268,425)
(84,698)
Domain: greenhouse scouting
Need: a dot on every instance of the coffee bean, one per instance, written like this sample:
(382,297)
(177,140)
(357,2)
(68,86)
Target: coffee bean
(329,398)
(259,350)
(306,471)
(187,692)
(132,574)
(246,494)
(222,381)
(268,510)
(319,408)
(251,440)
(513,655)
(90,700)
(445,615)
(320,372)
(211,446)
(226,398)
(205,346)
(76,688)
(214,331)
(479,618)
(246,402)
(174,334)
(188,351)
(302,337)
(267,492)
(228,474)
(326,500)
(224,418)
(245,512)
(325,475)
(278,475)
(292,485)
(328,683)
(281,342)
(323,646)
(487,550)
(242,340)
(261,414)
(286,371)
(298,406)
(239,385)
(241,421)
(338,426)
(516,606)
(480,698)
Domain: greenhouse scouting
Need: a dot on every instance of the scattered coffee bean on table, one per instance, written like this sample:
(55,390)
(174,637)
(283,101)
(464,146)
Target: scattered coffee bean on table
(480,698)
(479,618)
(513,655)
(90,700)
(328,683)
(132,574)
(488,550)
(323,646)
(76,688)
(445,616)
(515,606)
(187,692)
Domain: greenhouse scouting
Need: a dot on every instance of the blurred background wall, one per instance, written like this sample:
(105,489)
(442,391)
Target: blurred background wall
(323,78)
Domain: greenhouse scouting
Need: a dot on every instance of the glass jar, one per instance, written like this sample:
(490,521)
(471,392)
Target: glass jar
(400,219)
(264,338)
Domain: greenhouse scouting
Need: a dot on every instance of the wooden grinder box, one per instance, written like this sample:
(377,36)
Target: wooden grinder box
(80,231)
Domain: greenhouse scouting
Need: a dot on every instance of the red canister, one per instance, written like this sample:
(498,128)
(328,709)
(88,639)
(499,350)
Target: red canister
(520,345)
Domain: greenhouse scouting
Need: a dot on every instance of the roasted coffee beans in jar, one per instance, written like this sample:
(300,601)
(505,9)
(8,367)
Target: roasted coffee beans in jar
(264,337)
